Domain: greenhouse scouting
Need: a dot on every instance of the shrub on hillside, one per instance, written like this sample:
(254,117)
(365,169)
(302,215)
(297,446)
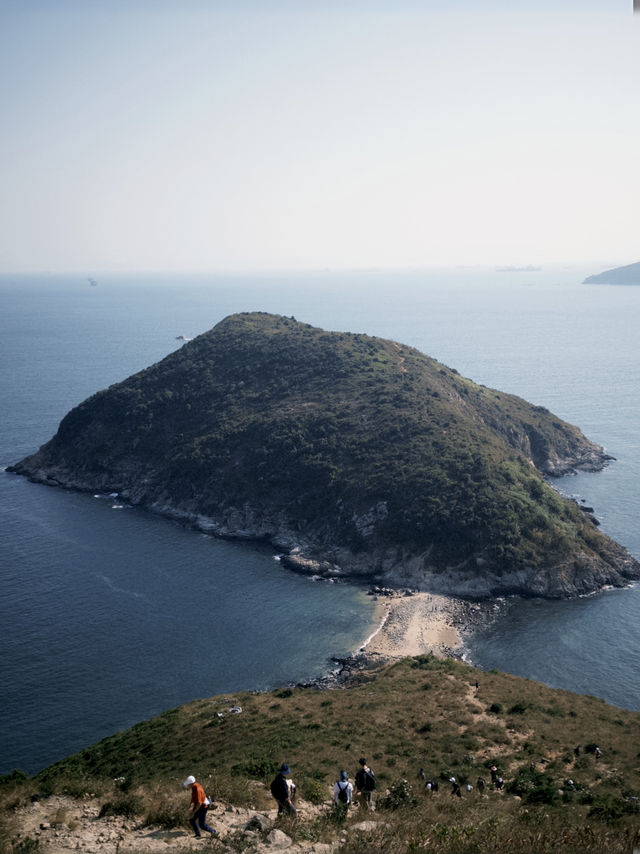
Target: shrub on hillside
(313,789)
(534,787)
(126,804)
(400,795)
(609,808)
(14,778)
(73,785)
(259,768)
(166,811)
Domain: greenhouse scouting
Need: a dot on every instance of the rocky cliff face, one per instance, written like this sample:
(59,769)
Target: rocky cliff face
(354,456)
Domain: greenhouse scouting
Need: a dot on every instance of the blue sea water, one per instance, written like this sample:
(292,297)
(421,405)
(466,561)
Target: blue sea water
(112,615)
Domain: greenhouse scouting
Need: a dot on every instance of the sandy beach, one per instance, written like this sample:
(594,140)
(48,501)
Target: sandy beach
(418,624)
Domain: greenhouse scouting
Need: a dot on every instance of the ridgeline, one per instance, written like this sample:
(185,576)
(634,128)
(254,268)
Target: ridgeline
(353,455)
(569,765)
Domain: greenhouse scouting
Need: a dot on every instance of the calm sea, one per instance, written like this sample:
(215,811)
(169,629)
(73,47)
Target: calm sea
(112,615)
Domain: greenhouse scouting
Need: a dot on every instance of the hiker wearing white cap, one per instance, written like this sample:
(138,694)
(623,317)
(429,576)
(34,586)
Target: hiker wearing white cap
(198,807)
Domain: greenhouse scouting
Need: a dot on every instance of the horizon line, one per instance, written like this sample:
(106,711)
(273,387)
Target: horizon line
(352,268)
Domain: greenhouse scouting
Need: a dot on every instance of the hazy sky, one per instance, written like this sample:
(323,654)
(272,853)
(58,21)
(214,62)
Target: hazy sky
(195,135)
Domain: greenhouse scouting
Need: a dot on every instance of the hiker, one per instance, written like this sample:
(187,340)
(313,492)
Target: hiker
(284,791)
(422,775)
(455,787)
(481,784)
(576,751)
(499,783)
(598,753)
(494,774)
(365,781)
(343,794)
(200,803)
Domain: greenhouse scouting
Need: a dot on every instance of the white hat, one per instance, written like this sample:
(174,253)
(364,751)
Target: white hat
(189,781)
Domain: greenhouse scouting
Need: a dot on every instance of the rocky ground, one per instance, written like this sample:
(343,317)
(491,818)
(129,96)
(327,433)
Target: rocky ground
(60,824)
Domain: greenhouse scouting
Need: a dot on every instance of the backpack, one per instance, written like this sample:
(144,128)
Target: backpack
(279,788)
(342,794)
(369,781)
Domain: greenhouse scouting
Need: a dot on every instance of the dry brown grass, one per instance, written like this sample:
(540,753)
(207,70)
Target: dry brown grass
(400,727)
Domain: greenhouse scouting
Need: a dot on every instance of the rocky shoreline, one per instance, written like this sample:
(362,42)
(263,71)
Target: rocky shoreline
(247,451)
(385,565)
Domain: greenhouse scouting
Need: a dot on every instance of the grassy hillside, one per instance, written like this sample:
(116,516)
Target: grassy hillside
(365,451)
(421,712)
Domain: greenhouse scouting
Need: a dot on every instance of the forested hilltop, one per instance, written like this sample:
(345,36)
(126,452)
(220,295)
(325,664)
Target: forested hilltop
(349,453)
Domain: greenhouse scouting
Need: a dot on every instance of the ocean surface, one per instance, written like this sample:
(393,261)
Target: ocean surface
(110,615)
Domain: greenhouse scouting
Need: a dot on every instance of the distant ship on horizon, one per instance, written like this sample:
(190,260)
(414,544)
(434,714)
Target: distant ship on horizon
(92,282)
(529,268)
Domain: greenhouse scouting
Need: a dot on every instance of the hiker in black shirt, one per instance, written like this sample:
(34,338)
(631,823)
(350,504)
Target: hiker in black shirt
(365,781)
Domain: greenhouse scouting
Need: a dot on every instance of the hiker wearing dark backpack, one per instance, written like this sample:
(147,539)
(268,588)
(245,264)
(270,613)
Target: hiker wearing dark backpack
(282,790)
(342,794)
(365,781)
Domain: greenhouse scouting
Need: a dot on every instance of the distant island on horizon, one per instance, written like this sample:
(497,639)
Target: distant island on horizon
(627,275)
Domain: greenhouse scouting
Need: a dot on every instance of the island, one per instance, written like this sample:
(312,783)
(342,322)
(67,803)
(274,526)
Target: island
(355,457)
(628,275)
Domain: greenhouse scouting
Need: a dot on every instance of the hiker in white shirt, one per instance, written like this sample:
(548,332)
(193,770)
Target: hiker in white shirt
(343,790)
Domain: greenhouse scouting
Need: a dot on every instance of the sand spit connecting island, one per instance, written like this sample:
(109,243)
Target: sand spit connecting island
(411,623)
(416,624)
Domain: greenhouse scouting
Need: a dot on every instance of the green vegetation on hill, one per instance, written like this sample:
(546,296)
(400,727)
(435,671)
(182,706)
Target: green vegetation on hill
(418,713)
(365,451)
